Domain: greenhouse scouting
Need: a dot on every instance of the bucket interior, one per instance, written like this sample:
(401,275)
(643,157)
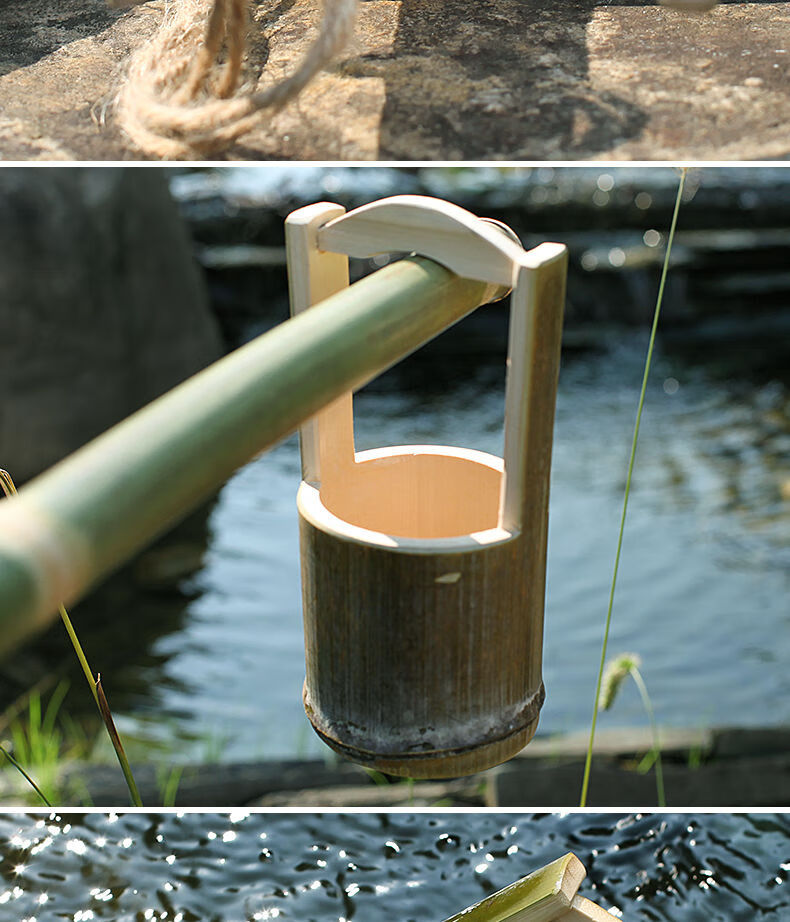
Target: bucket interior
(417,493)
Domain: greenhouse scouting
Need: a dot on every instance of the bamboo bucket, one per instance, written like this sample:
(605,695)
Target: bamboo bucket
(423,567)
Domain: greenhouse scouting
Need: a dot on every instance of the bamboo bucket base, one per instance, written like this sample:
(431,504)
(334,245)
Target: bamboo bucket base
(438,763)
(422,658)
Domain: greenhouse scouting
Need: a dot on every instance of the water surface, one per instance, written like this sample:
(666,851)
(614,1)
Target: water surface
(375,867)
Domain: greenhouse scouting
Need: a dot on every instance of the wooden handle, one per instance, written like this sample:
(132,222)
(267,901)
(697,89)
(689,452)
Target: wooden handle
(536,311)
(450,235)
(319,240)
(327,440)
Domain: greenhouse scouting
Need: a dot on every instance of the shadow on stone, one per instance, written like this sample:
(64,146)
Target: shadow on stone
(497,79)
(33,29)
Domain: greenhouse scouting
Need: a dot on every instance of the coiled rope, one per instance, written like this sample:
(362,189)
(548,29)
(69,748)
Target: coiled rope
(183,96)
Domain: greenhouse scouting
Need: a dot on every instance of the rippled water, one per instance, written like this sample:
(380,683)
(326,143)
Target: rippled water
(420,867)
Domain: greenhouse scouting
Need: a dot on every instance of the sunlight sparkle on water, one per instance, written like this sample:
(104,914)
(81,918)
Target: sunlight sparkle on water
(19,841)
(101,895)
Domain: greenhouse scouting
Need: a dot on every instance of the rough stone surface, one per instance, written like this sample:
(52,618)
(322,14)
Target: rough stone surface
(101,306)
(437,79)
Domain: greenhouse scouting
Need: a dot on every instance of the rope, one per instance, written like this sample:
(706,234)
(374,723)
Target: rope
(182,96)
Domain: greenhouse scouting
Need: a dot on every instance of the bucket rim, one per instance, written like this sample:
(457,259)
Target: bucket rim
(313,510)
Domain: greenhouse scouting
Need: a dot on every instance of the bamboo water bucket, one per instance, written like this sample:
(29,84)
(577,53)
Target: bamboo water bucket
(423,567)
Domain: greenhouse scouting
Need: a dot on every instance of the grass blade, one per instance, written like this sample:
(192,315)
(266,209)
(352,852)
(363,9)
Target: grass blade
(117,745)
(657,312)
(25,775)
(636,675)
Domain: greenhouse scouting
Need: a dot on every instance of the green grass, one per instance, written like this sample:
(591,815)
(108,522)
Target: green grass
(168,779)
(12,761)
(9,488)
(615,674)
(42,739)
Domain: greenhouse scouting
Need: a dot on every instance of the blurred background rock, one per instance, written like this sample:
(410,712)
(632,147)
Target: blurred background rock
(102,307)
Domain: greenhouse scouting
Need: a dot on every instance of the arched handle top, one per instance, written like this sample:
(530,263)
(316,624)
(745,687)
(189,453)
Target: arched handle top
(469,246)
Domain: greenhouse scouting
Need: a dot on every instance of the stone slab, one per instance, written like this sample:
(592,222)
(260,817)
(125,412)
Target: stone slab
(748,782)
(734,767)
(402,794)
(436,79)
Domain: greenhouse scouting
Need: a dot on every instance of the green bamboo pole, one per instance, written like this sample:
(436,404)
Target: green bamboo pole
(80,520)
(543,896)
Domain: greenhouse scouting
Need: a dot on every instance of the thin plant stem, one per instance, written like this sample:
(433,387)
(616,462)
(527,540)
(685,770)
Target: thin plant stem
(9,488)
(636,675)
(25,775)
(657,312)
(64,617)
(117,745)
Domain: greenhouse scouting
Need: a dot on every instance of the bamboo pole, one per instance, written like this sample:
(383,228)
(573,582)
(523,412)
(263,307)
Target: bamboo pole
(547,895)
(542,896)
(77,522)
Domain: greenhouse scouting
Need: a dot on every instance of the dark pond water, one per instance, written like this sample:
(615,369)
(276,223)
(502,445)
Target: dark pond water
(704,590)
(409,867)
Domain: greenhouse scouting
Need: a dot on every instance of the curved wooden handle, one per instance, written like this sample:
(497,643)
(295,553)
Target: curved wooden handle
(321,237)
(452,236)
